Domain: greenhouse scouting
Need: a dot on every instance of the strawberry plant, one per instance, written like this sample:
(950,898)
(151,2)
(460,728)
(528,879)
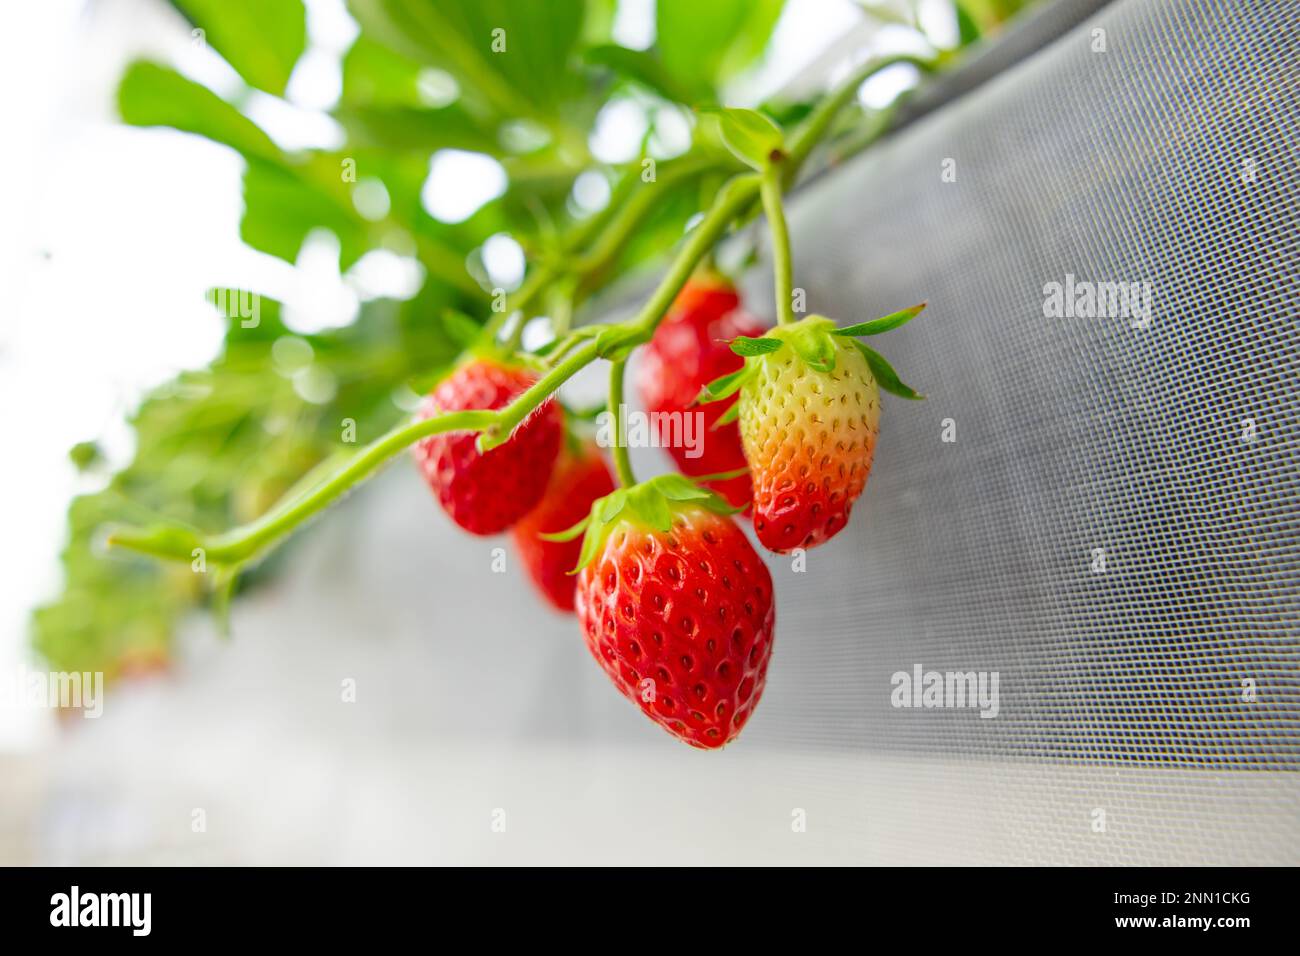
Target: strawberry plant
(233,459)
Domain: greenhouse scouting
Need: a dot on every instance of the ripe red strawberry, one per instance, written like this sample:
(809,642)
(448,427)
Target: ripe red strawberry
(487,492)
(677,607)
(809,411)
(580,477)
(689,350)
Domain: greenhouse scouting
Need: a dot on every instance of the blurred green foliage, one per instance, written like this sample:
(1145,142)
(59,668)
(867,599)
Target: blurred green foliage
(519,80)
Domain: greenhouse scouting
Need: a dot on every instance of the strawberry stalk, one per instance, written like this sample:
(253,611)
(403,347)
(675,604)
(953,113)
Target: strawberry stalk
(248,542)
(241,544)
(622,461)
(782,264)
(815,126)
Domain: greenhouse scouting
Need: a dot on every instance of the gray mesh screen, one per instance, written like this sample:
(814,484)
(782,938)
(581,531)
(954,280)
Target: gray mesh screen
(1167,159)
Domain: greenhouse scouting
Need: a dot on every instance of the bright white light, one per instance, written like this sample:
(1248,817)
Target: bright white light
(672,134)
(381,274)
(799,37)
(938,20)
(292,127)
(883,88)
(319,299)
(290,353)
(591,192)
(537,333)
(523,136)
(436,88)
(330,25)
(317,80)
(315,384)
(405,397)
(503,258)
(205,66)
(460,183)
(370,196)
(620,127)
(634,24)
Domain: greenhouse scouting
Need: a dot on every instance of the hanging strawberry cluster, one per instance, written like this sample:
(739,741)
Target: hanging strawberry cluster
(674,603)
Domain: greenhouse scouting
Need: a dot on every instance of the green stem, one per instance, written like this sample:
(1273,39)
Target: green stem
(624,223)
(537,280)
(818,122)
(519,299)
(507,419)
(614,407)
(244,542)
(782,266)
(736,197)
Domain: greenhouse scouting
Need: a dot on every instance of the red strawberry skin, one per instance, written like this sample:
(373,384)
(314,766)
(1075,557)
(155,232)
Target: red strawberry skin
(689,350)
(691,612)
(486,492)
(579,478)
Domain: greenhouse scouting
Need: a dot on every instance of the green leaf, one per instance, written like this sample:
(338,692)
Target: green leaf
(704,44)
(724,385)
(641,66)
(86,455)
(746,346)
(612,506)
(568,534)
(886,14)
(376,75)
(723,475)
(751,136)
(280,209)
(680,488)
(407,128)
(591,543)
(510,58)
(463,330)
(650,505)
(599,24)
(726,418)
(968,30)
(885,375)
(225,583)
(815,347)
(212,450)
(261,39)
(884,324)
(154,95)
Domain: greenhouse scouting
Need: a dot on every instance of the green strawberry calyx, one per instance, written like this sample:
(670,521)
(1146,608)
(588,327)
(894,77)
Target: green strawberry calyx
(650,504)
(813,339)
